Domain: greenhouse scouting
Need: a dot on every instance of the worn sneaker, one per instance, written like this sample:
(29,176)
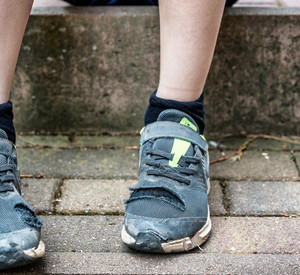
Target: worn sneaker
(167,210)
(20,236)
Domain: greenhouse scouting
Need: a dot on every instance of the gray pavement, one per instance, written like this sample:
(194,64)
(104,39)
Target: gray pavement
(254,205)
(230,235)
(109,263)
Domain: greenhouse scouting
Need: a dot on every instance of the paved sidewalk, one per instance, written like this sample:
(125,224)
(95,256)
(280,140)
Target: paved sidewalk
(78,187)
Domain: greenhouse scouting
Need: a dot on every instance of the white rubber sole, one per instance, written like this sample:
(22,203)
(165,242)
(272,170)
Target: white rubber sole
(188,243)
(36,253)
(13,255)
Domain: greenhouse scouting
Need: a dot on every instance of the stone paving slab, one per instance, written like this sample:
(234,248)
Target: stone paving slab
(268,235)
(254,165)
(94,196)
(259,144)
(257,3)
(90,163)
(125,263)
(264,198)
(77,141)
(39,193)
(127,141)
(289,3)
(107,197)
(76,163)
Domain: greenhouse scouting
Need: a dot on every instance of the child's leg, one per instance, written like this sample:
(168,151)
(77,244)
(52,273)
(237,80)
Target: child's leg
(188,31)
(168,209)
(19,227)
(13,18)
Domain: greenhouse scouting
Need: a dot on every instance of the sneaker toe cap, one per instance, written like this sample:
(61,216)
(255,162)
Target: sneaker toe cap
(148,234)
(15,245)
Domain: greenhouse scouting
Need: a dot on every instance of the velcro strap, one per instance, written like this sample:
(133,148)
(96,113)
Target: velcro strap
(169,129)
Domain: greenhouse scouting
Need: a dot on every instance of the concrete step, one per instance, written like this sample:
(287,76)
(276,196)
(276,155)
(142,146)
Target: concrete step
(103,84)
(262,235)
(92,245)
(124,263)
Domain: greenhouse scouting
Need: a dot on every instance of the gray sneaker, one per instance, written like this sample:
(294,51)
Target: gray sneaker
(20,236)
(167,210)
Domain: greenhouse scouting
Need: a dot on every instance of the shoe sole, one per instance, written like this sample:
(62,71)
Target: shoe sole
(14,256)
(180,245)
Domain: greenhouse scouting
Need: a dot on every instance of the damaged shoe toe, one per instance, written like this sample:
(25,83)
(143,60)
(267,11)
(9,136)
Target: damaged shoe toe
(20,228)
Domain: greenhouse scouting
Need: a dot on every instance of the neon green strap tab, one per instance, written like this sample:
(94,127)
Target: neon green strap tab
(142,130)
(180,146)
(203,137)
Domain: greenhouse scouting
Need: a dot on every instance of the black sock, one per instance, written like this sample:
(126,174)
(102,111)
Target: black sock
(195,109)
(6,120)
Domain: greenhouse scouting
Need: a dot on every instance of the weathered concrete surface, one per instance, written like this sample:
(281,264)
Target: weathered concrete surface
(63,142)
(107,197)
(104,82)
(264,198)
(229,235)
(254,165)
(231,143)
(39,193)
(130,142)
(94,196)
(100,164)
(125,263)
(77,163)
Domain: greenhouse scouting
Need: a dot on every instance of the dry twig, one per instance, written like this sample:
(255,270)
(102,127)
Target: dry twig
(244,146)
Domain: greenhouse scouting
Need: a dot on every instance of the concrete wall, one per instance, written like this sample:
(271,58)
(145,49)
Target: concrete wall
(91,70)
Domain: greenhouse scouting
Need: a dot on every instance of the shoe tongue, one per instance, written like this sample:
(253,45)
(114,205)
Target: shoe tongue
(4,144)
(172,145)
(180,117)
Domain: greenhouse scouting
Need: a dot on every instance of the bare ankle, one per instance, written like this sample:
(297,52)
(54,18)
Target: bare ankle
(177,93)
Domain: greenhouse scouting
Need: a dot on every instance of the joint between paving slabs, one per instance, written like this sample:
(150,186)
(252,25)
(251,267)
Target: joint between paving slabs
(226,196)
(294,159)
(57,195)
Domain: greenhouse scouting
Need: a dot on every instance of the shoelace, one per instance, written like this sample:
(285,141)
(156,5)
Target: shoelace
(175,173)
(6,178)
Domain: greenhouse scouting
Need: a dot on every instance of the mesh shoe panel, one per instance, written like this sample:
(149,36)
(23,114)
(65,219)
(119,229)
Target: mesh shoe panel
(11,220)
(153,209)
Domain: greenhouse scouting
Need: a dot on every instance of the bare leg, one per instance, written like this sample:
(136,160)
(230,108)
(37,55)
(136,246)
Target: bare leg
(13,19)
(189,32)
